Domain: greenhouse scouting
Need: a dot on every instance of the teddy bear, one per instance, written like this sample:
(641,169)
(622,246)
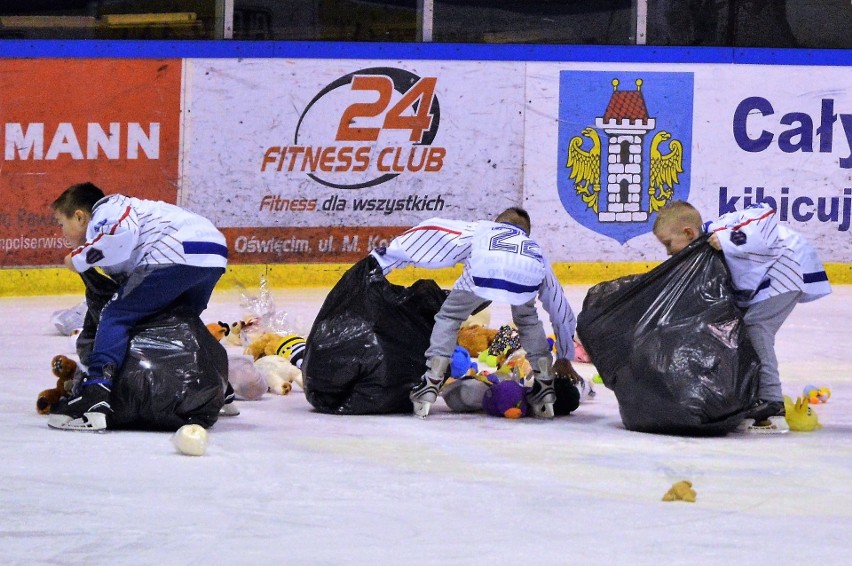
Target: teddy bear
(279,373)
(475,338)
(290,346)
(66,371)
(680,491)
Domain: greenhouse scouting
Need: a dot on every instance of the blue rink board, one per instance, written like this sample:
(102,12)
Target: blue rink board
(232,49)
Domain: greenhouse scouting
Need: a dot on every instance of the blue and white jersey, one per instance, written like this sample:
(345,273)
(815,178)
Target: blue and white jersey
(765,258)
(504,265)
(126,233)
(501,263)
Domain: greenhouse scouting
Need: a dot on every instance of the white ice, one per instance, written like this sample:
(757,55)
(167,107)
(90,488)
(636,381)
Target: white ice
(282,484)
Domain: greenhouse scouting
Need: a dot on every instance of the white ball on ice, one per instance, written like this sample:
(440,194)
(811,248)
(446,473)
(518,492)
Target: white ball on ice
(191,440)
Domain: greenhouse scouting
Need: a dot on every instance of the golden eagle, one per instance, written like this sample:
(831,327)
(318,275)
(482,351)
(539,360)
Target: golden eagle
(586,167)
(664,170)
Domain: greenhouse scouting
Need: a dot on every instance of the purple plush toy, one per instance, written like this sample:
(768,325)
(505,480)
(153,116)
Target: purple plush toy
(505,399)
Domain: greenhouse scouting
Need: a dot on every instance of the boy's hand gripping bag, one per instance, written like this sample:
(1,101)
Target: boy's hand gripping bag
(366,348)
(672,346)
(175,371)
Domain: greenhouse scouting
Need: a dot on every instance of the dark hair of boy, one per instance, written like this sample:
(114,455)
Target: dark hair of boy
(81,196)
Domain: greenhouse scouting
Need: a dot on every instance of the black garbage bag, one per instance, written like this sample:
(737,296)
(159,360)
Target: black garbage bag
(175,371)
(366,348)
(672,346)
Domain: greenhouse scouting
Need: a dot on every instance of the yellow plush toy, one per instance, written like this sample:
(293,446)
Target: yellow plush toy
(680,491)
(289,346)
(263,345)
(800,416)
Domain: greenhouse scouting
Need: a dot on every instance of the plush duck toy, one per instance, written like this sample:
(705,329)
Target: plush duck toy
(800,416)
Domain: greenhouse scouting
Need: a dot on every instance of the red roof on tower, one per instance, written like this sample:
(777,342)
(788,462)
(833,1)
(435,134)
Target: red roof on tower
(626,104)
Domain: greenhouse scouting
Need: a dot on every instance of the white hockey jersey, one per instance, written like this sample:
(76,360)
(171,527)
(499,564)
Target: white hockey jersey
(501,263)
(125,233)
(765,258)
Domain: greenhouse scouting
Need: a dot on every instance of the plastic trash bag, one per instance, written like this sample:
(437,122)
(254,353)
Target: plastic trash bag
(366,348)
(672,346)
(175,371)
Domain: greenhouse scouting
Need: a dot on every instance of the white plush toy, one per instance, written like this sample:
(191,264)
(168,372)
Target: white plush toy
(280,374)
(191,440)
(248,382)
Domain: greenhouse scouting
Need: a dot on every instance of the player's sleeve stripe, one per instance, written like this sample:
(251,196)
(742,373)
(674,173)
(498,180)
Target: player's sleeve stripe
(763,216)
(123,216)
(83,247)
(437,228)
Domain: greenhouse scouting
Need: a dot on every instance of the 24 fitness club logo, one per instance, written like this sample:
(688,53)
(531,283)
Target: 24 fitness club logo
(364,129)
(622,148)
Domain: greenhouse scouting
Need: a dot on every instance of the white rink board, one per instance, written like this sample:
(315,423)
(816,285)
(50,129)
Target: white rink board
(235,110)
(804,162)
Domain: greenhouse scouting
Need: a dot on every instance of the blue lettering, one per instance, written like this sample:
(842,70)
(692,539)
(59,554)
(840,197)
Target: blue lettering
(826,125)
(798,138)
(834,209)
(805,131)
(726,205)
(797,209)
(741,117)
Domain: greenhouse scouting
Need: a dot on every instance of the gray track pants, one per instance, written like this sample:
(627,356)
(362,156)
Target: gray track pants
(457,309)
(762,321)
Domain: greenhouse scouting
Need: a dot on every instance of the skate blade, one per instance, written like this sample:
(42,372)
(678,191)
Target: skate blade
(95,422)
(773,425)
(421,409)
(543,411)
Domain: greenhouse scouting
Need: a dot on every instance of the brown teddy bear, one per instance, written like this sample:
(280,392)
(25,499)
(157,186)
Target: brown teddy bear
(65,370)
(475,339)
(290,346)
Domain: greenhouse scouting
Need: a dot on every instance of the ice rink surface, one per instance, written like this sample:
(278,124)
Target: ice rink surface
(282,484)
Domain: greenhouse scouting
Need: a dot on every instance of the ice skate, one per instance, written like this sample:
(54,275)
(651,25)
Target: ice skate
(426,393)
(541,395)
(765,417)
(86,411)
(229,409)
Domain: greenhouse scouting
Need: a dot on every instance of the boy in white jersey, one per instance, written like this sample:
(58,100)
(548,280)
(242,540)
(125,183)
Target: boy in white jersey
(501,263)
(773,268)
(161,255)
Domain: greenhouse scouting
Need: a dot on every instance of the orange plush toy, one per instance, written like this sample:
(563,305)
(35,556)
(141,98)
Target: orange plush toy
(65,369)
(219,329)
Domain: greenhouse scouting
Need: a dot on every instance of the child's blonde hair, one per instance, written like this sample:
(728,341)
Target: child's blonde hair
(680,213)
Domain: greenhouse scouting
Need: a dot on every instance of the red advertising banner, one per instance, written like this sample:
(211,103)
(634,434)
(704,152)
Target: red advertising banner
(115,123)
